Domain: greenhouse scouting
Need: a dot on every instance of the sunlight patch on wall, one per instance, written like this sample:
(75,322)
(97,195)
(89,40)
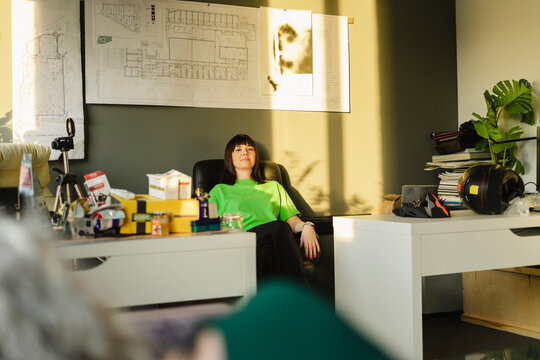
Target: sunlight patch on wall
(363,167)
(301,139)
(5,72)
(300,145)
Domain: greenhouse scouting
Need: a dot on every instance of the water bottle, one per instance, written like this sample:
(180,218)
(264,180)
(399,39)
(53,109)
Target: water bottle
(203,203)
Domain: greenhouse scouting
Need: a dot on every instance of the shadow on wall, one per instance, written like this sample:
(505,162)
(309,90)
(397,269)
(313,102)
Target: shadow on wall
(6,128)
(418,87)
(316,197)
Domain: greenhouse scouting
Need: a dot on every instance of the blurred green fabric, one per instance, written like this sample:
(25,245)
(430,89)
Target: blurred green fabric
(285,321)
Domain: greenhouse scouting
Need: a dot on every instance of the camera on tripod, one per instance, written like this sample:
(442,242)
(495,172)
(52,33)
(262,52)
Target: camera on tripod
(65,143)
(65,179)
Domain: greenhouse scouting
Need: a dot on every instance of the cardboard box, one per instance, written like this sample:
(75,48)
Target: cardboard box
(171,185)
(504,299)
(139,213)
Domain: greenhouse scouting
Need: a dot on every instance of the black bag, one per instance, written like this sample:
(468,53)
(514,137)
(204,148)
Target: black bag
(430,207)
(448,142)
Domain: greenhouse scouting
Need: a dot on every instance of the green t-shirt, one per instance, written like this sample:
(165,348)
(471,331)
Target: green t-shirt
(258,203)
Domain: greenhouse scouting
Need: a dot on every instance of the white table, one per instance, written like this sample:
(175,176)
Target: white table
(380,261)
(143,270)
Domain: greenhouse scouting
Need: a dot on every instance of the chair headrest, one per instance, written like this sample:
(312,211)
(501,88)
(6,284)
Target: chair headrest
(206,173)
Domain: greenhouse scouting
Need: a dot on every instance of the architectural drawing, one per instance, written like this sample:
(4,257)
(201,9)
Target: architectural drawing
(200,45)
(47,75)
(197,45)
(182,53)
(42,73)
(121,13)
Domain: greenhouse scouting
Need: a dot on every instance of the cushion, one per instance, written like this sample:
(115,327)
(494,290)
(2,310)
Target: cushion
(10,163)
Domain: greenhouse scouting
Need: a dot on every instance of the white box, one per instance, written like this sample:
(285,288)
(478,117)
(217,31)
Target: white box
(97,183)
(172,185)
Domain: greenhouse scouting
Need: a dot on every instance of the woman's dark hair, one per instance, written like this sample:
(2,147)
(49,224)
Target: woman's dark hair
(228,175)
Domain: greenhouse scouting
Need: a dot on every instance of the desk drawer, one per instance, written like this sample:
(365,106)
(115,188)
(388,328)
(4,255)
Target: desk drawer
(168,277)
(477,250)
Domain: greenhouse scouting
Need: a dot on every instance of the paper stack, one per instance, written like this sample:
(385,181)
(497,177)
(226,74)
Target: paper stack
(453,166)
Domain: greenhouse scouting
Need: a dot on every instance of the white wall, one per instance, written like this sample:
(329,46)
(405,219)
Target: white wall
(498,40)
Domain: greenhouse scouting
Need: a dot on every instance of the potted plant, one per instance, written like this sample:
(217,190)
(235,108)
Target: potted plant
(513,98)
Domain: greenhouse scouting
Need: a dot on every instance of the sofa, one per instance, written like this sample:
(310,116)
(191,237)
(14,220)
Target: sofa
(11,155)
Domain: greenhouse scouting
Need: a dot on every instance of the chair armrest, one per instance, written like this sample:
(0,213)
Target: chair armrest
(323,224)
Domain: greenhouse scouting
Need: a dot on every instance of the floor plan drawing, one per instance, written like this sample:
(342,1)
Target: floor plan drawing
(43,72)
(184,51)
(204,46)
(123,14)
(47,74)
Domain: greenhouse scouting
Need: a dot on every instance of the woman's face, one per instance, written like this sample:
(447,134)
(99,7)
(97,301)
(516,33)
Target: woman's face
(243,157)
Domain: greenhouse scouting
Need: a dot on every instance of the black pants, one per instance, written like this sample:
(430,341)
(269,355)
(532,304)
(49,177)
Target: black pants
(278,254)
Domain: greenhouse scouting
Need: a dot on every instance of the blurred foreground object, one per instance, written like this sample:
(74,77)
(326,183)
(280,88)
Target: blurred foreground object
(284,321)
(31,200)
(43,315)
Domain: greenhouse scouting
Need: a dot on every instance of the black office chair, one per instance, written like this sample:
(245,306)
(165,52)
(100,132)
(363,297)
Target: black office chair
(206,174)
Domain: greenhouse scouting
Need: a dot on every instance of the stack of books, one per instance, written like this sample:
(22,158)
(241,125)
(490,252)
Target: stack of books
(447,190)
(453,166)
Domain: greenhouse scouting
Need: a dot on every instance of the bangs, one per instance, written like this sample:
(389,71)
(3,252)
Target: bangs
(241,139)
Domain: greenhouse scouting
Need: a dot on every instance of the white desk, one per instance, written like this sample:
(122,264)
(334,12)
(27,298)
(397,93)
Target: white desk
(380,261)
(159,269)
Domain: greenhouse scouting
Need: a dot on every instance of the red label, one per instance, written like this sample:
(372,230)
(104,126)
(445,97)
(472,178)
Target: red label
(25,180)
(93,175)
(97,186)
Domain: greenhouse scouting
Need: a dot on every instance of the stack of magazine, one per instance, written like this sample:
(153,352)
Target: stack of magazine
(452,166)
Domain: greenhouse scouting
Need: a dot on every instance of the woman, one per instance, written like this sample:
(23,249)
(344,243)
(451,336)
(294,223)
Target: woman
(266,209)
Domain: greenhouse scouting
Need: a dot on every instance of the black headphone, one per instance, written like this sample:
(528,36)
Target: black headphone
(488,188)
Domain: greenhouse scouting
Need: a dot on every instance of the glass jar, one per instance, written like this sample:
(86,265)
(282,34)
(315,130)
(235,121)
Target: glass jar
(160,223)
(231,222)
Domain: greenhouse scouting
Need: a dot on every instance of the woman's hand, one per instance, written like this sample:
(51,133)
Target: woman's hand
(310,241)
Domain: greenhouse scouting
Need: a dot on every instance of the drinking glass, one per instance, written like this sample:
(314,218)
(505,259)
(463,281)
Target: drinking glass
(231,222)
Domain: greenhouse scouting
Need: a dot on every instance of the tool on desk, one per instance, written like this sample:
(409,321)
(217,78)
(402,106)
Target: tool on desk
(65,179)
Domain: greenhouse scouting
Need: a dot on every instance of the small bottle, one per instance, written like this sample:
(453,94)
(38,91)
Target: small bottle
(203,203)
(160,223)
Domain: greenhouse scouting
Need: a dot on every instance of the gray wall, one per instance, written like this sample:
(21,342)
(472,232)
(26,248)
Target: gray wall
(418,95)
(417,44)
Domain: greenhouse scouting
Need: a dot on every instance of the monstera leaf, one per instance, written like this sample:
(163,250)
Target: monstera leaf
(511,97)
(514,97)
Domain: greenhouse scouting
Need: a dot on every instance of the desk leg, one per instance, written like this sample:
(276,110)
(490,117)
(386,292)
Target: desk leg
(378,288)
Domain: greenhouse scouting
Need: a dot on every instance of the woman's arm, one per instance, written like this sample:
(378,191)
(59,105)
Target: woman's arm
(308,238)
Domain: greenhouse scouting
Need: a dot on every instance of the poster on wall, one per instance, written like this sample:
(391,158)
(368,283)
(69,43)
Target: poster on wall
(286,52)
(181,53)
(47,73)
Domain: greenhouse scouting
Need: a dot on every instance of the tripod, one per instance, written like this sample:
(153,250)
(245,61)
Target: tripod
(65,178)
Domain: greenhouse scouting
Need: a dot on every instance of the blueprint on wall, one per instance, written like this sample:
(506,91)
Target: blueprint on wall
(47,75)
(181,53)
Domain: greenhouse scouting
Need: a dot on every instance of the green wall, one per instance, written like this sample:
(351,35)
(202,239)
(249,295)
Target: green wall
(417,84)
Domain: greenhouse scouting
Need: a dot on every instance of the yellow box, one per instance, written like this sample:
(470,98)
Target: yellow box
(139,213)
